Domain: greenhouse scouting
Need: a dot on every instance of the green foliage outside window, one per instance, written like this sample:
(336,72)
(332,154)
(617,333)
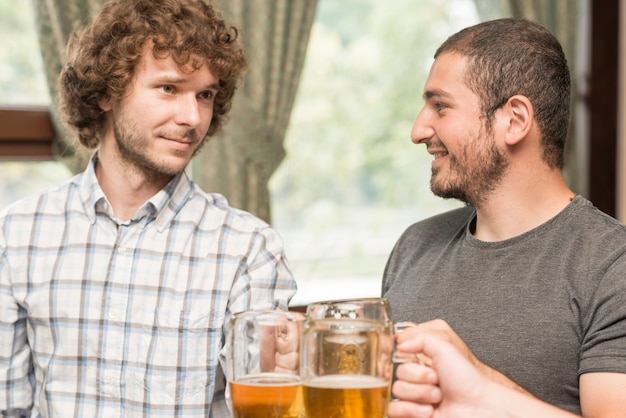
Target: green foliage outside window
(352,180)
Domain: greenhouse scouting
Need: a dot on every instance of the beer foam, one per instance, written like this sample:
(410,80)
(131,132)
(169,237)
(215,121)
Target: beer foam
(269,379)
(346,381)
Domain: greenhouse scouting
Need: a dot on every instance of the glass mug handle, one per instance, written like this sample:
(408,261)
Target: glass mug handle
(400,357)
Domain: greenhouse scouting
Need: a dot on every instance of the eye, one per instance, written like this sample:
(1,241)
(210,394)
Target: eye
(440,106)
(167,89)
(206,95)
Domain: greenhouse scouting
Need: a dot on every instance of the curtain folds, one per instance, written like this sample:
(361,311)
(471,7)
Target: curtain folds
(56,20)
(240,161)
(562,18)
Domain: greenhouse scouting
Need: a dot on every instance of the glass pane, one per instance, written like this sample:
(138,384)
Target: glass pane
(22,82)
(352,180)
(22,79)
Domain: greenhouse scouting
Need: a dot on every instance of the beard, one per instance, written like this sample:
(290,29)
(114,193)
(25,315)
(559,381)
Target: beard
(135,150)
(474,174)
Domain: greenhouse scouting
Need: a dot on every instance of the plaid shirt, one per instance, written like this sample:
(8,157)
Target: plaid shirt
(103,318)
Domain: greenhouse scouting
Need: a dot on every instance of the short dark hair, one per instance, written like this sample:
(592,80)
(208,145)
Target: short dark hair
(102,58)
(516,56)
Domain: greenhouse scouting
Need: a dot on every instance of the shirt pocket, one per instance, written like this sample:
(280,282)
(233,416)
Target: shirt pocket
(174,357)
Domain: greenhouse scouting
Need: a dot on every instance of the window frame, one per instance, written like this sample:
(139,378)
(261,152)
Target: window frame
(26,133)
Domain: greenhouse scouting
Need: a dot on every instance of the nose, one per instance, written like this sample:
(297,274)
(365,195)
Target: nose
(422,129)
(188,111)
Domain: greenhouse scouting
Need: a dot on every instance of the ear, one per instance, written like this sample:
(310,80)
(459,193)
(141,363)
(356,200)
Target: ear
(105,104)
(521,117)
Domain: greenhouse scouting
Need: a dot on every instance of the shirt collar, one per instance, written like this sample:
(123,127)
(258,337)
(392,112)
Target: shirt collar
(161,207)
(168,201)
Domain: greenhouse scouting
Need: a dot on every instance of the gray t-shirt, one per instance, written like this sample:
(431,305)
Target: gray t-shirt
(542,307)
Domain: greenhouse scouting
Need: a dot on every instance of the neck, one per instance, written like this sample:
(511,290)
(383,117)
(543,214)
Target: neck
(518,207)
(125,187)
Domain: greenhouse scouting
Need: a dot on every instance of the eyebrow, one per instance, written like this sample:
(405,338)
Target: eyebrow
(429,94)
(213,86)
(167,79)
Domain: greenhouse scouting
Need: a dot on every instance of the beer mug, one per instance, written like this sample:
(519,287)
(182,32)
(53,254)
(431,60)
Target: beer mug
(374,308)
(263,364)
(345,359)
(377,309)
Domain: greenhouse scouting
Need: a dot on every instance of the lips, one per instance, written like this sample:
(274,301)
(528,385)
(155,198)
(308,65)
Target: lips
(436,149)
(179,140)
(179,144)
(438,153)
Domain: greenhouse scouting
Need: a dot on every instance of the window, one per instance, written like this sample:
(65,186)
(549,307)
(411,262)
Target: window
(22,83)
(22,80)
(352,180)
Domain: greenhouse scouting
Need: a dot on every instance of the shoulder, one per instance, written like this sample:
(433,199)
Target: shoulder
(441,225)
(583,208)
(434,232)
(50,201)
(38,213)
(238,228)
(594,229)
(213,210)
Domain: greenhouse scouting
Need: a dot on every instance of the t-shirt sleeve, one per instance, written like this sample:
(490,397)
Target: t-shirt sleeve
(603,347)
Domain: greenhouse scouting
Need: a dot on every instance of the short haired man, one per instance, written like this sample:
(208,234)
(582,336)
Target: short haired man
(528,280)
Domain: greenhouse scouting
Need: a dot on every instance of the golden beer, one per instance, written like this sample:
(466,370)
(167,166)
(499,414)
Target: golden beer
(337,346)
(346,395)
(267,395)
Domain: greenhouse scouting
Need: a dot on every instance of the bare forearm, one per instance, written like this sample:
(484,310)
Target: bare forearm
(501,379)
(509,403)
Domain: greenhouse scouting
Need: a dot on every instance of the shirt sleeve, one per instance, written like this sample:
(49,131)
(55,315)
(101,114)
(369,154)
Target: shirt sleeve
(15,366)
(604,337)
(264,280)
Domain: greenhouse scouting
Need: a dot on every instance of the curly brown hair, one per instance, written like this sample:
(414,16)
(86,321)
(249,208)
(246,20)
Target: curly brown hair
(101,60)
